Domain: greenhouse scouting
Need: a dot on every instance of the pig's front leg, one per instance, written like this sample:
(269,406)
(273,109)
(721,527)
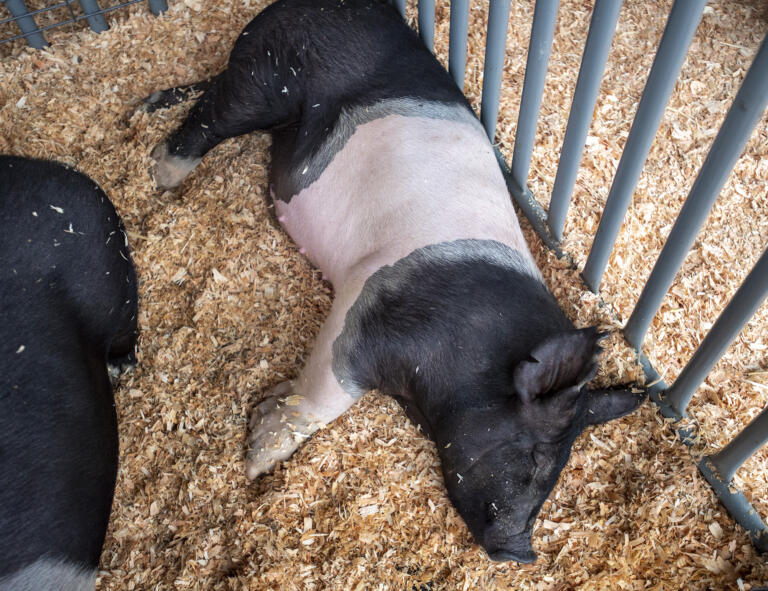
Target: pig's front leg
(292,411)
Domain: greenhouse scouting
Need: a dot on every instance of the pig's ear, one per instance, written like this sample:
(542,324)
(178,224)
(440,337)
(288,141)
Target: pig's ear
(564,360)
(612,403)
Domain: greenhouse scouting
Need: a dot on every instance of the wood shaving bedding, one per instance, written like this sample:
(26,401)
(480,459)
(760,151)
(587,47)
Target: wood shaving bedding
(230,308)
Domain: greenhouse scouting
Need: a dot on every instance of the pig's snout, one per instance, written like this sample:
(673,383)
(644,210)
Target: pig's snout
(506,539)
(518,548)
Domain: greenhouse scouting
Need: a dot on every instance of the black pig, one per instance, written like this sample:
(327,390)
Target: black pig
(67,309)
(385,178)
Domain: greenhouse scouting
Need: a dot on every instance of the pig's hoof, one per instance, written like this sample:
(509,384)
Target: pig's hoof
(162,99)
(168,171)
(154,102)
(278,427)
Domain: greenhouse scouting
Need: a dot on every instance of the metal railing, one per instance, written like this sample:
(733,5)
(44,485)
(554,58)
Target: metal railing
(742,118)
(89,10)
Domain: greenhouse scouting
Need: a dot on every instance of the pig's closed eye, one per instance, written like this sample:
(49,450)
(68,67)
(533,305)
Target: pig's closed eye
(491,511)
(542,458)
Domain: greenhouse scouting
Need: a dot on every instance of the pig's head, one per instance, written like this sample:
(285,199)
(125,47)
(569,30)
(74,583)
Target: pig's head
(501,461)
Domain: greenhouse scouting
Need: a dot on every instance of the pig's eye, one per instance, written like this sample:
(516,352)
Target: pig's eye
(541,458)
(491,511)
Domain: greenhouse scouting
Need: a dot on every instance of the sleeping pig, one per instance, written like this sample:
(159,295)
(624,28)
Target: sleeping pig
(67,309)
(384,177)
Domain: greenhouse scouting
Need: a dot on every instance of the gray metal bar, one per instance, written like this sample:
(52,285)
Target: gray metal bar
(96,19)
(33,13)
(400,5)
(427,23)
(26,23)
(745,112)
(719,469)
(542,33)
(738,311)
(732,456)
(681,25)
(737,506)
(495,52)
(158,7)
(605,15)
(530,207)
(457,52)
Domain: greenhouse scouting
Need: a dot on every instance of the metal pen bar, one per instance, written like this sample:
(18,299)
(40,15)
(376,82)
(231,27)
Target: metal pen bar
(495,52)
(738,506)
(96,20)
(742,117)
(158,7)
(605,15)
(678,33)
(736,314)
(457,51)
(732,456)
(427,23)
(26,23)
(542,33)
(528,204)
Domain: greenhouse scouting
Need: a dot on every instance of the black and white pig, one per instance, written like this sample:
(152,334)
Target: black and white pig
(385,178)
(67,309)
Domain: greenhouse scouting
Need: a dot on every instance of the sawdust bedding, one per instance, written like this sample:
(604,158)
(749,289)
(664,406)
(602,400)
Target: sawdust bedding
(229,308)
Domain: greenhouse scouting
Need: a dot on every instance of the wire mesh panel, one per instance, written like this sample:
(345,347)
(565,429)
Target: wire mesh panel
(30,20)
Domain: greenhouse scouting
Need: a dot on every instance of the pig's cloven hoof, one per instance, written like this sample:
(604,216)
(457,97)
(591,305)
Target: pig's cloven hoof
(278,427)
(150,104)
(168,171)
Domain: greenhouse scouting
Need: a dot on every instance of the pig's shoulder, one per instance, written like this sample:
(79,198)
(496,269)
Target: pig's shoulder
(432,308)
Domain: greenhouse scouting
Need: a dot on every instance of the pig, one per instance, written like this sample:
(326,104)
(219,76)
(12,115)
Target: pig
(67,309)
(385,178)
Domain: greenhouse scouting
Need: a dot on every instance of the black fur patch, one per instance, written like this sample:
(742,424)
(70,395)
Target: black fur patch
(445,326)
(67,305)
(300,65)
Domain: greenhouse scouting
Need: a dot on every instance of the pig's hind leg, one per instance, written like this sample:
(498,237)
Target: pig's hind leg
(250,94)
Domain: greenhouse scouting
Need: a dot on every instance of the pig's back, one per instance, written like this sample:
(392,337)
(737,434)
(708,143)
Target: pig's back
(400,182)
(66,287)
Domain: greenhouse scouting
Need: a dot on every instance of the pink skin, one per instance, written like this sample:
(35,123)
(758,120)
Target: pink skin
(399,184)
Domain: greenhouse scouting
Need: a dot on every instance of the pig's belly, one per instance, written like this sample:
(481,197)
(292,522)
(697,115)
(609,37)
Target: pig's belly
(398,184)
